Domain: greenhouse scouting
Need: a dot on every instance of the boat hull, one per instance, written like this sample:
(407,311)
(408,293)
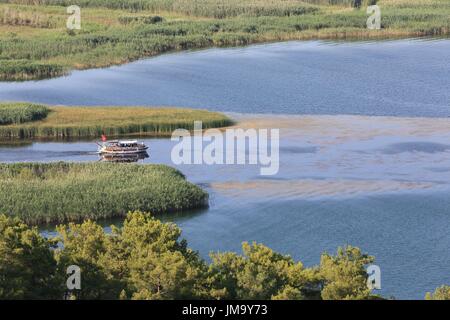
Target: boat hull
(123,152)
(134,157)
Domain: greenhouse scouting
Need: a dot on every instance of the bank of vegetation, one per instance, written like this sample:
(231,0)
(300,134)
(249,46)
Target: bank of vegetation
(146,259)
(30,121)
(59,192)
(19,113)
(35,46)
(23,69)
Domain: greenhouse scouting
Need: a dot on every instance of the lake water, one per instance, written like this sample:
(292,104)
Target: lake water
(380,183)
(402,78)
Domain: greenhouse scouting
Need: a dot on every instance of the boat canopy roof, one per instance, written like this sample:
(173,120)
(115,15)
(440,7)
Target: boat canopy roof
(122,141)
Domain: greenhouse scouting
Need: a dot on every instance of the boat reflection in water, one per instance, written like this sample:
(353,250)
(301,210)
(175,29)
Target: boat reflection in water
(106,157)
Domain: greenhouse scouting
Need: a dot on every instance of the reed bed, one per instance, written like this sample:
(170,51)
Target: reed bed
(60,192)
(21,70)
(346,3)
(204,8)
(145,19)
(120,31)
(18,113)
(29,18)
(233,8)
(83,122)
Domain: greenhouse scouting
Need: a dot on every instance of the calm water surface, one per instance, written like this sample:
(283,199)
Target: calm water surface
(386,193)
(409,78)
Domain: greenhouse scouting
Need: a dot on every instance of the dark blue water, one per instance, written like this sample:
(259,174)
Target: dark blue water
(387,194)
(403,78)
(377,183)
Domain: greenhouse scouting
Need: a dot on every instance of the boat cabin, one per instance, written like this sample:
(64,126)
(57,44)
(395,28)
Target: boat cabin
(123,143)
(122,147)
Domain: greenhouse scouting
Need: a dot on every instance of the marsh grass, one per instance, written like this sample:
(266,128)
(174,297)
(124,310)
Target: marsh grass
(83,122)
(120,31)
(60,192)
(19,113)
(203,8)
(29,18)
(21,70)
(145,19)
(233,8)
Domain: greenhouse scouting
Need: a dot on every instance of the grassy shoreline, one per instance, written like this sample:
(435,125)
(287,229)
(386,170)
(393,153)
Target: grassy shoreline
(88,122)
(59,192)
(35,44)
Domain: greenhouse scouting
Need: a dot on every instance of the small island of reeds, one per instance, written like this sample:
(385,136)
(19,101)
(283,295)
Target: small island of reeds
(59,192)
(31,121)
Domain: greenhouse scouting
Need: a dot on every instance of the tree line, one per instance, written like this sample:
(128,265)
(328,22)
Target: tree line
(146,259)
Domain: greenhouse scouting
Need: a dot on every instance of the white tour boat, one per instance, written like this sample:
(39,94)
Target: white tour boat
(122,147)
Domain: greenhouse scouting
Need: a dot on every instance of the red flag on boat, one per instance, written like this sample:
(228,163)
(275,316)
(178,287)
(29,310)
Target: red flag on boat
(103,138)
